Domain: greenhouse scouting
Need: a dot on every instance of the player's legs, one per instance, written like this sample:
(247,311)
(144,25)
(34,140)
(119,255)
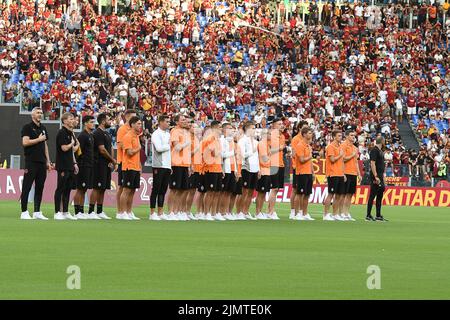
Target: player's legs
(260,202)
(190,200)
(118,199)
(272,200)
(201,203)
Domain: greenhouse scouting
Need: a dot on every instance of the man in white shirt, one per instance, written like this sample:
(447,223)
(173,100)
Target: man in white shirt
(399,109)
(250,166)
(229,167)
(161,166)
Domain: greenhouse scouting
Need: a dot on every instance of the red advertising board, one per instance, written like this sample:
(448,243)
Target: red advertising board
(11,185)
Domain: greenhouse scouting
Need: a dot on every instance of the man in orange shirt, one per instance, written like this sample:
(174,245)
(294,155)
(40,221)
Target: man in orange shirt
(123,130)
(197,167)
(351,171)
(201,215)
(294,145)
(277,145)
(304,170)
(131,166)
(334,167)
(264,178)
(212,157)
(180,140)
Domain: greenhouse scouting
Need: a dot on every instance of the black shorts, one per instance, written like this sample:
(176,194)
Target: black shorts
(350,184)
(249,179)
(119,175)
(131,179)
(304,184)
(336,185)
(85,178)
(102,177)
(228,182)
(213,181)
(263,184)
(201,183)
(238,187)
(194,180)
(277,177)
(179,180)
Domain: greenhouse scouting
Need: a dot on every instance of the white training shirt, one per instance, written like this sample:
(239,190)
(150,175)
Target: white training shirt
(161,149)
(250,157)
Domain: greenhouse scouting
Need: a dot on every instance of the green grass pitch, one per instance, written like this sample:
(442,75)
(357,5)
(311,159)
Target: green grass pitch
(227,260)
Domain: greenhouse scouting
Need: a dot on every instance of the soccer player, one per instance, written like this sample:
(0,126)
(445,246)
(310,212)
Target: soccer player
(85,162)
(123,130)
(196,168)
(277,146)
(37,162)
(104,163)
(201,215)
(229,168)
(334,165)
(131,166)
(161,167)
(212,157)
(180,141)
(263,185)
(250,167)
(304,171)
(235,198)
(66,166)
(377,185)
(351,171)
(294,142)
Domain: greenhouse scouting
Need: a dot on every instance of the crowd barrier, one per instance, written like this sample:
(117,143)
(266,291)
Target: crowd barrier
(11,185)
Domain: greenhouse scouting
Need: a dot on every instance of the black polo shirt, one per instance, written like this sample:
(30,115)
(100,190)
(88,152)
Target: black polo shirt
(378,156)
(102,137)
(64,159)
(86,158)
(34,153)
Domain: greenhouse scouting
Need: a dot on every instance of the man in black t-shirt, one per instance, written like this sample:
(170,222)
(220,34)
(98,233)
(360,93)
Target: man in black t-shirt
(66,166)
(377,185)
(37,162)
(104,163)
(85,159)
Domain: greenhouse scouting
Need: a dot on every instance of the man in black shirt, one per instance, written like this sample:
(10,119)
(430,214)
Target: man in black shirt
(377,185)
(37,162)
(85,162)
(66,166)
(103,164)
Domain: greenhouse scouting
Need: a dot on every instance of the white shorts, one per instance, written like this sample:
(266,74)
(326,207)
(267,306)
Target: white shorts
(412,110)
(399,112)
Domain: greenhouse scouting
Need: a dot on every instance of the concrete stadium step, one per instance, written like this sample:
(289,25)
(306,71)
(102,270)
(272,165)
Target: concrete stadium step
(408,135)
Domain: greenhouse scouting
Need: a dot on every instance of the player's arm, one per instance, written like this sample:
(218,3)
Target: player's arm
(67,147)
(335,158)
(300,154)
(159,144)
(350,157)
(27,142)
(132,151)
(47,156)
(248,150)
(102,150)
(178,146)
(226,154)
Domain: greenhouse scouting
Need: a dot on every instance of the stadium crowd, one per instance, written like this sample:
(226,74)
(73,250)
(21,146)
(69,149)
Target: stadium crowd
(354,66)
